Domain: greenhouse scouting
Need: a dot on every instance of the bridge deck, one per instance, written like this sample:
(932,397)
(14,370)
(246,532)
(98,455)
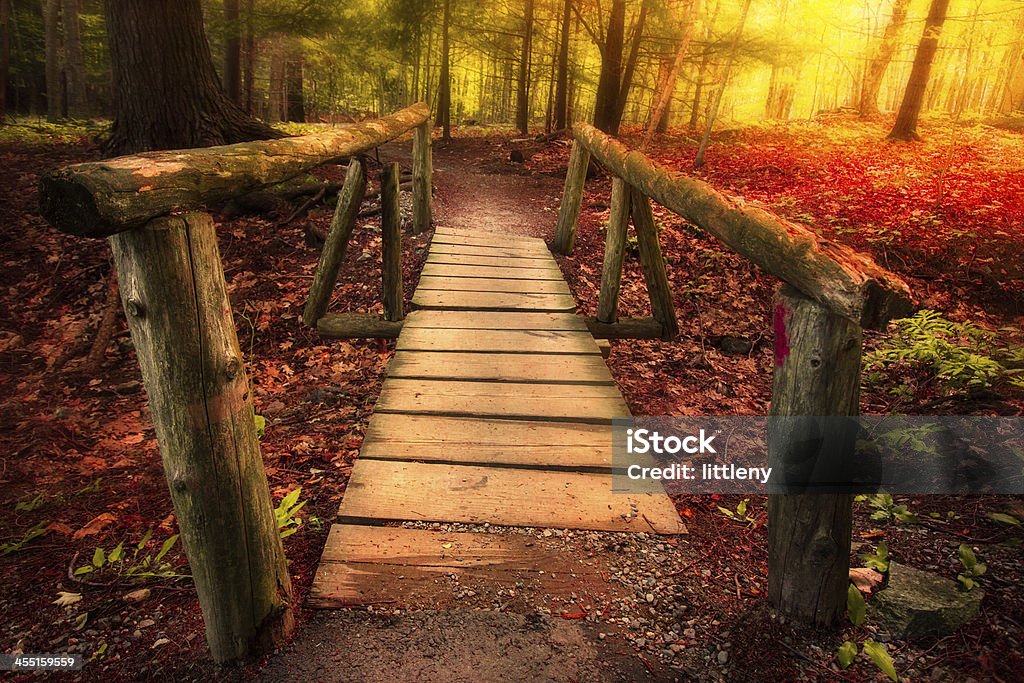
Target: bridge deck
(497,409)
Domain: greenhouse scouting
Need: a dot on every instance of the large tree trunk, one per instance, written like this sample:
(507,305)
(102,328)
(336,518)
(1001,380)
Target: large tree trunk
(51,40)
(630,68)
(233,51)
(883,56)
(562,83)
(296,100)
(74,61)
(667,85)
(610,81)
(444,95)
(5,54)
(166,91)
(523,93)
(906,120)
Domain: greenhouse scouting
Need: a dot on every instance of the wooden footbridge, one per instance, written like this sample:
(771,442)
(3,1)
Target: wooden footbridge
(498,403)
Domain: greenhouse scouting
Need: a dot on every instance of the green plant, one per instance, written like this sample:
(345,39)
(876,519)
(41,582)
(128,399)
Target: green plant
(886,508)
(957,354)
(30,504)
(740,514)
(972,568)
(285,513)
(29,536)
(856,611)
(878,560)
(1003,518)
(261,425)
(139,566)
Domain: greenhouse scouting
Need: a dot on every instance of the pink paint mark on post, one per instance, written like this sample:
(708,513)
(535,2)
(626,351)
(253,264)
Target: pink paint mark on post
(781,337)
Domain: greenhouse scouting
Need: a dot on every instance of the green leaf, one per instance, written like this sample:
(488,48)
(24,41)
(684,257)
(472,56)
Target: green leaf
(98,558)
(145,540)
(855,607)
(967,557)
(117,554)
(1003,518)
(288,501)
(846,654)
(967,581)
(741,509)
(727,512)
(261,425)
(880,656)
(165,548)
(83,570)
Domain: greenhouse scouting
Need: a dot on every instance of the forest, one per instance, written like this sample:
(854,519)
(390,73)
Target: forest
(322,323)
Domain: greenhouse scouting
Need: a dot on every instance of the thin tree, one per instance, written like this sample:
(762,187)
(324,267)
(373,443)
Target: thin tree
(74,61)
(444,89)
(166,91)
(879,62)
(713,113)
(630,66)
(666,88)
(5,54)
(51,46)
(249,53)
(610,80)
(523,86)
(233,51)
(905,128)
(562,79)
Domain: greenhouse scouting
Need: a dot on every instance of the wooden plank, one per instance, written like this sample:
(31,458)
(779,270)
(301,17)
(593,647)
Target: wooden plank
(498,301)
(488,284)
(432,492)
(495,320)
(413,567)
(495,261)
(501,367)
(487,241)
(449,231)
(471,250)
(580,403)
(499,341)
(448,270)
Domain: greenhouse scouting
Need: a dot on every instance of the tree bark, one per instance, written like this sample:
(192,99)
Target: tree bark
(233,52)
(97,199)
(295,103)
(667,86)
(422,179)
(74,61)
(614,251)
(572,198)
(562,81)
(391,244)
(173,290)
(444,95)
(357,326)
(653,264)
(51,42)
(817,374)
(610,80)
(249,53)
(630,66)
(523,86)
(905,128)
(5,54)
(848,282)
(166,91)
(881,59)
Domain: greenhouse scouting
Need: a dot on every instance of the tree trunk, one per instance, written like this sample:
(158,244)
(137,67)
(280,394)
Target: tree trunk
(444,95)
(906,120)
(523,92)
(817,374)
(51,39)
(391,243)
(630,67)
(296,100)
(562,82)
(277,90)
(74,61)
(713,111)
(610,81)
(883,56)
(5,54)
(233,52)
(172,286)
(166,91)
(667,85)
(249,54)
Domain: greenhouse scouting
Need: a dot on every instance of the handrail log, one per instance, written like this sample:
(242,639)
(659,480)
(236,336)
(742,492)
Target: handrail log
(102,198)
(849,283)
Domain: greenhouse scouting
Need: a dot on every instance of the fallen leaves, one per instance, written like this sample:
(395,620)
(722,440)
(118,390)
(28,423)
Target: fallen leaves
(95,526)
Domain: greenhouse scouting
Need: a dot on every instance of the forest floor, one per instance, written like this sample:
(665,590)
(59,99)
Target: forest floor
(79,463)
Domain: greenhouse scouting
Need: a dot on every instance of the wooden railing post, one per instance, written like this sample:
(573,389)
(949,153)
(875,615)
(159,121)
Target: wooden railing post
(173,290)
(422,179)
(817,373)
(333,252)
(391,236)
(572,199)
(653,263)
(614,252)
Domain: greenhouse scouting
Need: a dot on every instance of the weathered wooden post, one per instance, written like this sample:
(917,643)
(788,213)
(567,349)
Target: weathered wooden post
(614,252)
(572,199)
(333,252)
(173,290)
(653,264)
(422,179)
(391,236)
(817,373)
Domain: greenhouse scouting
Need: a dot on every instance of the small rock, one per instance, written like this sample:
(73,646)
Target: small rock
(723,656)
(160,642)
(649,597)
(918,604)
(137,595)
(146,623)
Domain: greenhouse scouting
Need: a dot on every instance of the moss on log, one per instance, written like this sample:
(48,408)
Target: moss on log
(102,198)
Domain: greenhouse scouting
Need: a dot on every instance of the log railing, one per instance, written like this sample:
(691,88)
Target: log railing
(830,293)
(174,294)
